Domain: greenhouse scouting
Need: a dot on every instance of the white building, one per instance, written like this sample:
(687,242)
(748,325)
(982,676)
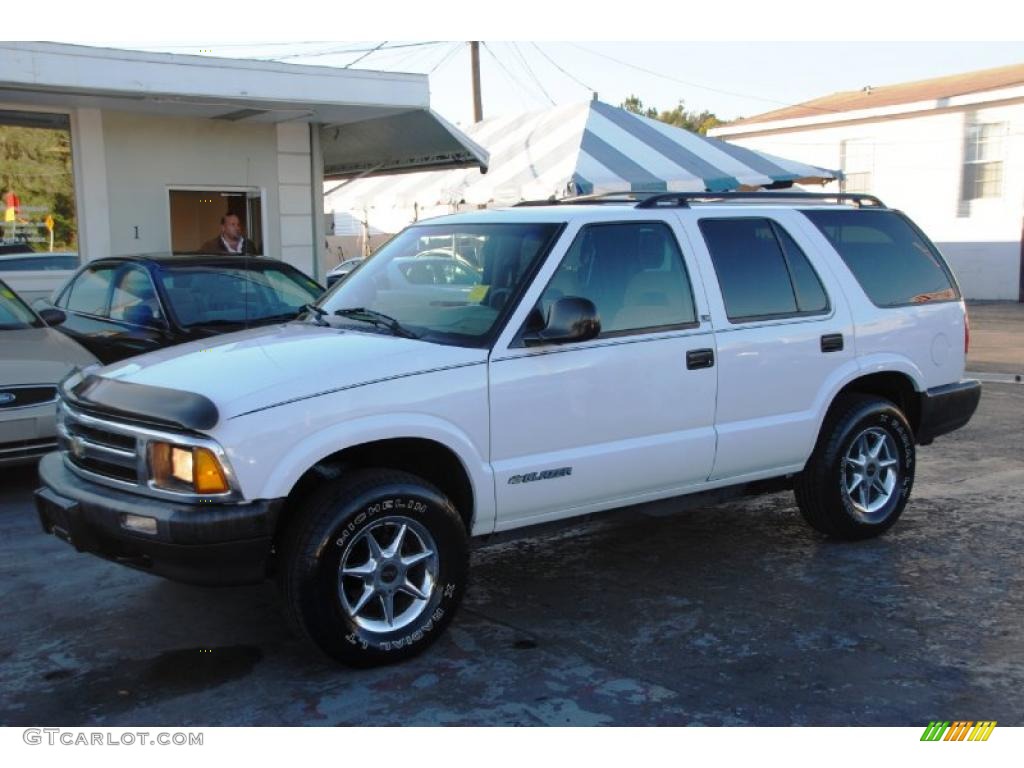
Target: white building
(154,149)
(948,151)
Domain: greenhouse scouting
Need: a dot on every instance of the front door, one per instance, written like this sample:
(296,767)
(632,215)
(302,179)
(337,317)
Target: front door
(621,418)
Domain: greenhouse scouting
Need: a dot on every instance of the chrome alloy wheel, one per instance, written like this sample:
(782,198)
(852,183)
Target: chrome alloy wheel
(870,473)
(388,573)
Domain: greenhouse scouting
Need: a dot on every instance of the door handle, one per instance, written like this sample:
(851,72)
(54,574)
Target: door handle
(832,342)
(700,358)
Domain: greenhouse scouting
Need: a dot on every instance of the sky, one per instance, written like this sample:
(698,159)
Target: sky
(731,79)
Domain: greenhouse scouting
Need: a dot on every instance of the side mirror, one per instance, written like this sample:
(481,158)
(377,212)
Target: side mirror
(52,316)
(571,318)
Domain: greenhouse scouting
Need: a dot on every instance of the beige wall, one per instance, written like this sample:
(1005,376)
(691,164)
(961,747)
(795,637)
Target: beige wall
(147,155)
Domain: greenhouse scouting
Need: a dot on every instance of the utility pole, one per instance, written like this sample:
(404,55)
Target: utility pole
(474,61)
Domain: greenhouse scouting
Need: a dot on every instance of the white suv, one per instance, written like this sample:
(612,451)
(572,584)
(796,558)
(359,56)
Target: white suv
(608,354)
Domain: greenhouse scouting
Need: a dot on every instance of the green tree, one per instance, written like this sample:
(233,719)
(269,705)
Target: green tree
(680,117)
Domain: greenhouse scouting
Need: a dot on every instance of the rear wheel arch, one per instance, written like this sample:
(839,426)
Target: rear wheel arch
(896,387)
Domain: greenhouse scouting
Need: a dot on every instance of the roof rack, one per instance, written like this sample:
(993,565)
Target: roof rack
(683,199)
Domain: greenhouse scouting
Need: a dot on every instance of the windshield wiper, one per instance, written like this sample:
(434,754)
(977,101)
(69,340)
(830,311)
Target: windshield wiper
(318,313)
(378,319)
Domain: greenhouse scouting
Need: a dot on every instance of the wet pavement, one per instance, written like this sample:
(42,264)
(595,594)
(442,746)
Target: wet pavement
(736,614)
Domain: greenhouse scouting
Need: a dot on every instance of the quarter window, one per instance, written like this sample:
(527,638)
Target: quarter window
(633,273)
(892,260)
(89,293)
(762,272)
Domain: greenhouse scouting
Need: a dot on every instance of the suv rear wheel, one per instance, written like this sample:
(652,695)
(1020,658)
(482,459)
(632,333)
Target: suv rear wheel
(858,479)
(375,566)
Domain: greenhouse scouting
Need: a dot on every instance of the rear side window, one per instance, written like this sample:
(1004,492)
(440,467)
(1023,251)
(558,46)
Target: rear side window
(892,260)
(763,273)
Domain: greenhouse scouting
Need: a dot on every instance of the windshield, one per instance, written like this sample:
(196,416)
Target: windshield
(448,283)
(225,295)
(14,315)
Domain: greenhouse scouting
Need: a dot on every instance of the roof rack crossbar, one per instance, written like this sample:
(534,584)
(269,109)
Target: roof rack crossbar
(683,199)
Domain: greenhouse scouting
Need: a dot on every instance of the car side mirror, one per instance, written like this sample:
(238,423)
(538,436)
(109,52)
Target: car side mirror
(52,316)
(571,318)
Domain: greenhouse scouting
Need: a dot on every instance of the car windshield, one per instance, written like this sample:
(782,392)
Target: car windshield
(14,315)
(448,283)
(229,295)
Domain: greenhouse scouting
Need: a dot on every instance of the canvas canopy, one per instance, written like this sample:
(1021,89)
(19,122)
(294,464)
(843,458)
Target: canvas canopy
(580,149)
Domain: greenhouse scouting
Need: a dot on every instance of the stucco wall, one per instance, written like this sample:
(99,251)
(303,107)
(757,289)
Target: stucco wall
(917,168)
(146,155)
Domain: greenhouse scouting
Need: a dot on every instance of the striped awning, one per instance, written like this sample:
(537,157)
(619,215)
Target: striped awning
(582,149)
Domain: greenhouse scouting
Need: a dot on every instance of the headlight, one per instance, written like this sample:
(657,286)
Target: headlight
(186,469)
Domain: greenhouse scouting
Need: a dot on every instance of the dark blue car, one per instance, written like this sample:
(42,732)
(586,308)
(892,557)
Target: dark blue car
(126,305)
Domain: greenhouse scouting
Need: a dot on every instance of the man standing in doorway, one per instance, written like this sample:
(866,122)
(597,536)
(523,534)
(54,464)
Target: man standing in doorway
(231,239)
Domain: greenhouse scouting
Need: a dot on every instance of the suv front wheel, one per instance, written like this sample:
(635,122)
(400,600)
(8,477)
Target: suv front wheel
(374,566)
(858,479)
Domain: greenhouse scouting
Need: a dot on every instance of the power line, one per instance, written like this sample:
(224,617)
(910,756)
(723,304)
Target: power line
(446,58)
(697,85)
(515,47)
(510,76)
(352,63)
(560,69)
(333,51)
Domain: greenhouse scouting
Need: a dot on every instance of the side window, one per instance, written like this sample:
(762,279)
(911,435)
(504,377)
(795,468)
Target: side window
(633,272)
(134,299)
(90,291)
(893,262)
(761,270)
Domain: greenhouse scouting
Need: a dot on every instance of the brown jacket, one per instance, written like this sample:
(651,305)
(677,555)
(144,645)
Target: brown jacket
(216,245)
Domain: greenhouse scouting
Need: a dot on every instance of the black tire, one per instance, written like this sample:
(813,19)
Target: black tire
(823,488)
(332,528)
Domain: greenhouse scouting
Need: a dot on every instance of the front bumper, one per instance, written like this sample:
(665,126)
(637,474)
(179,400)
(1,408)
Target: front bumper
(946,408)
(215,544)
(27,433)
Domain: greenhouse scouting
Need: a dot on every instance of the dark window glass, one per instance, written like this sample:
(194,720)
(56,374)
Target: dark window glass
(201,295)
(751,268)
(13,312)
(90,291)
(893,262)
(810,295)
(634,274)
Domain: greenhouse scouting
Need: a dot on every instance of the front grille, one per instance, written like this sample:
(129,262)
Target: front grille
(25,449)
(24,396)
(99,448)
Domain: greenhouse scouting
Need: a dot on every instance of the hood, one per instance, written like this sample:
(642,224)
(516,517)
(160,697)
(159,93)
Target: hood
(39,356)
(260,367)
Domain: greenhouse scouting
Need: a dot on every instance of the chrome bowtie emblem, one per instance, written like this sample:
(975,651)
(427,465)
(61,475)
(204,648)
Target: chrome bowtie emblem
(77,447)
(6,397)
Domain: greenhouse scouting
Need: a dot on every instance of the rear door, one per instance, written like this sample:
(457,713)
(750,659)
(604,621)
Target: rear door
(625,417)
(784,335)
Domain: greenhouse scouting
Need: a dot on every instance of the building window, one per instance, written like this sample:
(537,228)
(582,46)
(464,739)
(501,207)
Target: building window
(983,160)
(858,162)
(197,217)
(37,185)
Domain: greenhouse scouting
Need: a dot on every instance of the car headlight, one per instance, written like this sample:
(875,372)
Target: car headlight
(187,469)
